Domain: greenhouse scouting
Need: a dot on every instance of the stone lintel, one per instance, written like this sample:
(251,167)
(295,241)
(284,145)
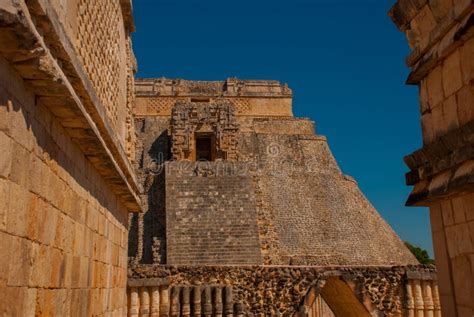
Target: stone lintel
(73,102)
(147,282)
(442,168)
(232,87)
(162,272)
(424,275)
(443,186)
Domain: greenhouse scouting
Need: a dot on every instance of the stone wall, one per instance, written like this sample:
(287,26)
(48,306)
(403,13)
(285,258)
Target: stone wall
(307,211)
(147,231)
(157,96)
(66,184)
(277,126)
(452,224)
(98,64)
(100,35)
(280,203)
(283,291)
(210,214)
(310,213)
(441,36)
(63,232)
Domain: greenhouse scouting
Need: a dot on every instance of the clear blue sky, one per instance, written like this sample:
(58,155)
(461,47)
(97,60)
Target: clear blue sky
(344,61)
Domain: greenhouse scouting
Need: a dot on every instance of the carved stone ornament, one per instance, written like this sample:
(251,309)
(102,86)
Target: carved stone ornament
(216,118)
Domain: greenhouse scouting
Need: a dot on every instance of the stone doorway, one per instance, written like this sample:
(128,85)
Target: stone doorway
(205,147)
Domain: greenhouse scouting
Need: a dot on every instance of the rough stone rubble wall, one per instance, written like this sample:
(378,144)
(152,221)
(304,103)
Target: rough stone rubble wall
(440,34)
(290,291)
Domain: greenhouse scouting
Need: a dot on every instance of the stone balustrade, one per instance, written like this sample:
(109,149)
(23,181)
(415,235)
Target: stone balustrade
(283,291)
(422,298)
(148,299)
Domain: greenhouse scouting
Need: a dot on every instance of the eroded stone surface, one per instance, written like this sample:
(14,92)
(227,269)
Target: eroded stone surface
(440,34)
(270,291)
(66,184)
(275,197)
(305,207)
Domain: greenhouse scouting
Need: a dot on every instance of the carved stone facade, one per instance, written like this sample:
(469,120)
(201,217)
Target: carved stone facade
(217,119)
(441,36)
(130,136)
(157,96)
(66,183)
(283,291)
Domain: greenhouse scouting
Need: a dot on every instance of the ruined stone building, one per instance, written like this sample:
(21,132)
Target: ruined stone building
(175,198)
(248,213)
(441,36)
(66,139)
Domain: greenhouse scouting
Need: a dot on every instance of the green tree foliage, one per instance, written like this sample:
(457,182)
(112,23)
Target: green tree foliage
(421,254)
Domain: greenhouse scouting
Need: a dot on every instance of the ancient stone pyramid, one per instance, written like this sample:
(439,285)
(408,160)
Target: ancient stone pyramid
(267,189)
(248,214)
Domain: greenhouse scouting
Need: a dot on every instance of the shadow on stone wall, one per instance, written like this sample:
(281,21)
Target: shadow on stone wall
(147,237)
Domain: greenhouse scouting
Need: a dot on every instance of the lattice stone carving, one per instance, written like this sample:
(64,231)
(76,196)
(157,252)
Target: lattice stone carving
(98,45)
(217,118)
(242,105)
(130,137)
(161,105)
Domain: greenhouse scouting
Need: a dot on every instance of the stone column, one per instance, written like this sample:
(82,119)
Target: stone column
(207,307)
(418,297)
(409,300)
(197,301)
(175,304)
(229,301)
(134,302)
(218,302)
(185,304)
(144,302)
(155,302)
(436,300)
(164,302)
(440,34)
(428,298)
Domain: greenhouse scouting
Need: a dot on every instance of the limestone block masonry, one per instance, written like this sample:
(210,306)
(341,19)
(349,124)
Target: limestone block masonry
(66,179)
(441,36)
(211,220)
